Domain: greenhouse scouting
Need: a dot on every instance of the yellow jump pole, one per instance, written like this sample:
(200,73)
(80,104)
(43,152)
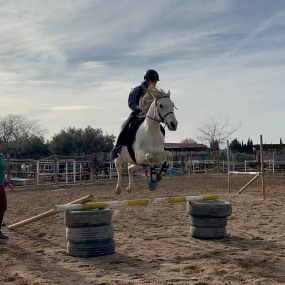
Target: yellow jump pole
(262,168)
(137,202)
(49,213)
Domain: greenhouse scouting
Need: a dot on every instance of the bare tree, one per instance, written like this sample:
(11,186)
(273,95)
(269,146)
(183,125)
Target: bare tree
(15,128)
(215,132)
(189,141)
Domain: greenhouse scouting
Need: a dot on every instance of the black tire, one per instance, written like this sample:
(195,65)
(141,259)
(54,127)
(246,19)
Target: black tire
(208,222)
(210,209)
(88,218)
(208,233)
(91,249)
(87,234)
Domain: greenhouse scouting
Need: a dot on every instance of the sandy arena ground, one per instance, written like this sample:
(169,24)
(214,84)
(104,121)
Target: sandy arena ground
(153,244)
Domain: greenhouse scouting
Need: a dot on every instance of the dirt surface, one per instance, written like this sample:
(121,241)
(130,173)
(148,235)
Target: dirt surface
(153,244)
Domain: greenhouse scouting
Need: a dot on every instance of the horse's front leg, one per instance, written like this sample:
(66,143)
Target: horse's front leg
(167,156)
(131,169)
(150,158)
(158,158)
(164,156)
(119,166)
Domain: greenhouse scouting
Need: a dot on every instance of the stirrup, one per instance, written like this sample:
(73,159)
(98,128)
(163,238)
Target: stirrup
(163,170)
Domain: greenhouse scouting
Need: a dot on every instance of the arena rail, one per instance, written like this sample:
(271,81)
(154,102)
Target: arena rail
(136,202)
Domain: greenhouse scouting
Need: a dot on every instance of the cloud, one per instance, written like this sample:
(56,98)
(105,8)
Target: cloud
(93,65)
(81,59)
(72,108)
(262,26)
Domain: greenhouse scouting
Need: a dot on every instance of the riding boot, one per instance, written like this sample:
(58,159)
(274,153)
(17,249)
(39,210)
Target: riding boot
(122,138)
(2,236)
(117,148)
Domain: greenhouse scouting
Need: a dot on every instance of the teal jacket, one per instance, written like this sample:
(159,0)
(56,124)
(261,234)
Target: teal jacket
(2,169)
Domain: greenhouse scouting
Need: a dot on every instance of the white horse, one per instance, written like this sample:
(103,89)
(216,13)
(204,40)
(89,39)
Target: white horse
(149,141)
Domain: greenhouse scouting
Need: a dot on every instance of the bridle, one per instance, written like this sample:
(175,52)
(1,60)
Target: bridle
(162,118)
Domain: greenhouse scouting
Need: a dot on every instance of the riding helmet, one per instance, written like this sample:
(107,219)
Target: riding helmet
(151,74)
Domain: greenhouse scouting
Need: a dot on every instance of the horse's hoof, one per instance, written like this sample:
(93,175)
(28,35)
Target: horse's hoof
(152,185)
(118,191)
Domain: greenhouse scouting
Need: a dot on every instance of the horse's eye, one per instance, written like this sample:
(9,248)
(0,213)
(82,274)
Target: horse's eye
(161,106)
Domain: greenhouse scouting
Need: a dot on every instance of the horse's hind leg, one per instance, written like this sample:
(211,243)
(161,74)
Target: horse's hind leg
(131,169)
(119,166)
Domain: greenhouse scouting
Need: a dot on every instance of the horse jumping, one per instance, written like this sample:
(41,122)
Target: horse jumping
(149,141)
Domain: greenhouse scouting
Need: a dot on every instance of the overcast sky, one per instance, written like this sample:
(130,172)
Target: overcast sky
(73,63)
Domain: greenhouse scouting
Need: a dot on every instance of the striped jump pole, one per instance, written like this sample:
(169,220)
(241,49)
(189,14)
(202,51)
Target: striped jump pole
(136,202)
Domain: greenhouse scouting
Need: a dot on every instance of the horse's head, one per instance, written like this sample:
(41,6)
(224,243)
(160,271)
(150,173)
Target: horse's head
(164,109)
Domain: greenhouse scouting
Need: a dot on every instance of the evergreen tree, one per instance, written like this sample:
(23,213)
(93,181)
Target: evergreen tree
(235,146)
(73,141)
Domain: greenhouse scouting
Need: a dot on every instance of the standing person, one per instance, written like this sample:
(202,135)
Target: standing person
(3,179)
(150,78)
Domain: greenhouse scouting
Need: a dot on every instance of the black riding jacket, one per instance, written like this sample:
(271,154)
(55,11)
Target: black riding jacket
(134,96)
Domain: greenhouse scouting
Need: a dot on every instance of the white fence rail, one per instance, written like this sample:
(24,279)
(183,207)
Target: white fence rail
(212,166)
(49,171)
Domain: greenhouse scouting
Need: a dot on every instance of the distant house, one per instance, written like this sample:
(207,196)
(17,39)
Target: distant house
(186,151)
(272,151)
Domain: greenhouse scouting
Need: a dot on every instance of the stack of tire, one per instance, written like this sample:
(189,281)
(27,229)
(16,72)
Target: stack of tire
(208,219)
(89,233)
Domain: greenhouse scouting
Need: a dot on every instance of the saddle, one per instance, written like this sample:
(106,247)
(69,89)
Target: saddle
(131,129)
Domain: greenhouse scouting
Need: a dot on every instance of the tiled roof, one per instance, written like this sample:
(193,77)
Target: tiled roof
(184,145)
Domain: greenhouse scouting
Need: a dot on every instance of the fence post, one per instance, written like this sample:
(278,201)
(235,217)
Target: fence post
(262,167)
(74,170)
(66,171)
(38,172)
(228,167)
(56,169)
(92,167)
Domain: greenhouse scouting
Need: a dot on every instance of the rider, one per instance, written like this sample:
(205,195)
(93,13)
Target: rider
(3,182)
(150,77)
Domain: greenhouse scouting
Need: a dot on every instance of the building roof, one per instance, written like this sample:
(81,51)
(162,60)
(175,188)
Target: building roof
(185,146)
(270,146)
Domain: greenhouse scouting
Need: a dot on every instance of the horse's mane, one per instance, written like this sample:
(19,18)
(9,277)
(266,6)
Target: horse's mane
(149,97)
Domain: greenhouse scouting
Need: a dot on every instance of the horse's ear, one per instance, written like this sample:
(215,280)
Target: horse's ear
(168,92)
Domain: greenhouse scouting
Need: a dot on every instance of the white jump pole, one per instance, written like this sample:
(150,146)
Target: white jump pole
(248,183)
(244,173)
(257,174)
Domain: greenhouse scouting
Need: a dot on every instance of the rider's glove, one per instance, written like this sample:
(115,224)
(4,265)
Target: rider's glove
(137,110)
